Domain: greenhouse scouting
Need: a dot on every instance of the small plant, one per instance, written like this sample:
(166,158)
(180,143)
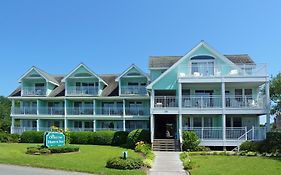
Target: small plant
(138,135)
(190,141)
(124,164)
(146,150)
(186,160)
(41,150)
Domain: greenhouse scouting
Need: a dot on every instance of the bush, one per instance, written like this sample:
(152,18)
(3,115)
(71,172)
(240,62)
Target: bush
(138,135)
(190,141)
(33,150)
(186,161)
(202,148)
(146,150)
(120,138)
(64,149)
(80,137)
(102,137)
(124,164)
(32,137)
(9,138)
(273,142)
(248,146)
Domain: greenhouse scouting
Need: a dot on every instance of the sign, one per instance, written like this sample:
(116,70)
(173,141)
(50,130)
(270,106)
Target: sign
(54,139)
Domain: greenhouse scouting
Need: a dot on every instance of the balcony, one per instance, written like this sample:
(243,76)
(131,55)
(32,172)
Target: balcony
(245,102)
(80,111)
(133,90)
(240,70)
(34,91)
(51,110)
(109,111)
(24,110)
(82,91)
(141,111)
(195,101)
(165,101)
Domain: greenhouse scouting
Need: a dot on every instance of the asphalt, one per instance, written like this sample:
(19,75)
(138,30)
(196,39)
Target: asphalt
(23,170)
(167,163)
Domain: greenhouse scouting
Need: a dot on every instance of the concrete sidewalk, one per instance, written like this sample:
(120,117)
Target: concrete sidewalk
(167,163)
(24,170)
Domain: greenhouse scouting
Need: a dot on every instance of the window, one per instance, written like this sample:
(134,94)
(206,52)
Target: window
(197,122)
(133,84)
(248,92)
(238,94)
(77,124)
(208,122)
(228,121)
(237,122)
(202,68)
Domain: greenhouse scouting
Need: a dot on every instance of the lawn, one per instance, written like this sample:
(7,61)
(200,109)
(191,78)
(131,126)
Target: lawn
(91,159)
(233,165)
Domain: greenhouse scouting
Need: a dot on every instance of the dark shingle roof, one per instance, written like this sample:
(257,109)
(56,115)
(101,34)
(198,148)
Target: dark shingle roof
(168,61)
(112,88)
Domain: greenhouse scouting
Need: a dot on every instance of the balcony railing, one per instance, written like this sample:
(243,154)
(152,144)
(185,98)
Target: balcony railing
(112,129)
(24,110)
(80,111)
(231,133)
(76,129)
(33,91)
(20,130)
(245,102)
(223,70)
(133,90)
(109,111)
(82,90)
(51,110)
(196,101)
(137,111)
(165,101)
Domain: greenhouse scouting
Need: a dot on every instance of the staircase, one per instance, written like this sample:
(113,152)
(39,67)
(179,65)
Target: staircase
(166,145)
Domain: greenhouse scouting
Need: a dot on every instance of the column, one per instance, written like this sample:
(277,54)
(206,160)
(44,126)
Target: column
(94,106)
(13,106)
(83,125)
(180,127)
(12,125)
(224,127)
(180,112)
(151,128)
(223,111)
(37,107)
(94,125)
(65,113)
(37,125)
(267,106)
(124,113)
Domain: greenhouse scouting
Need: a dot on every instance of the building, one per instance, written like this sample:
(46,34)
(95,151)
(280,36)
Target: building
(218,96)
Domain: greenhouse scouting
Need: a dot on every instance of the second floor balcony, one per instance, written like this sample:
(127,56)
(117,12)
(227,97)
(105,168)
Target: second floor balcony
(51,110)
(33,91)
(82,90)
(80,111)
(109,111)
(24,110)
(133,90)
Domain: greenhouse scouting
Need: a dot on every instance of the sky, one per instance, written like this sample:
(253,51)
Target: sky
(108,36)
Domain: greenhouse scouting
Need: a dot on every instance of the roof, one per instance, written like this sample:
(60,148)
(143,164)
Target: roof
(112,88)
(168,61)
(128,69)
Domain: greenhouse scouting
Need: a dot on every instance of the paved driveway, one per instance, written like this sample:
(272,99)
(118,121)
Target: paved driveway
(22,170)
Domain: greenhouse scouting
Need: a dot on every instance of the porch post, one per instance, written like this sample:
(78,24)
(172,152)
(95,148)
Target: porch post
(94,125)
(267,106)
(12,125)
(180,112)
(65,113)
(124,113)
(151,116)
(223,111)
(37,125)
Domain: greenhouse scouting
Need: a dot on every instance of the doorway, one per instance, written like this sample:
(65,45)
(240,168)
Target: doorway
(165,126)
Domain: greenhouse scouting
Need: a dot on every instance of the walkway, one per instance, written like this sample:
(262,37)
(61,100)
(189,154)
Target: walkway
(23,170)
(167,163)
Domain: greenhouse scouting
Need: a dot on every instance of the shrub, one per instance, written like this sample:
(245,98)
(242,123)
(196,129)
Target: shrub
(138,135)
(272,142)
(32,137)
(124,164)
(64,149)
(190,141)
(9,138)
(146,150)
(249,146)
(186,161)
(120,138)
(202,148)
(102,137)
(80,137)
(33,150)
(44,151)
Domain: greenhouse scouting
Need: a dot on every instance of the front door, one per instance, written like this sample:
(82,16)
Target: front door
(165,126)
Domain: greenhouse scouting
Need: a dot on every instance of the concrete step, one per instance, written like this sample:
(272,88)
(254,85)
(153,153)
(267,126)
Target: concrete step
(166,145)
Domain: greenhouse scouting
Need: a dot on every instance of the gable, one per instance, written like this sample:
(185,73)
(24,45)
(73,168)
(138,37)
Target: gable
(33,74)
(81,72)
(132,71)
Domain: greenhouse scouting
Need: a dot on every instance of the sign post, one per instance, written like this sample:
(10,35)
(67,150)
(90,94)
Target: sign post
(54,139)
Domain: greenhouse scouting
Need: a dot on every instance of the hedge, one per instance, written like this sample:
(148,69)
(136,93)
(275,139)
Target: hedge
(9,138)
(80,137)
(32,137)
(138,135)
(102,137)
(120,138)
(124,164)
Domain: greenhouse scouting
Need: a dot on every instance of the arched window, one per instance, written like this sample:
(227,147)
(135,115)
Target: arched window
(202,65)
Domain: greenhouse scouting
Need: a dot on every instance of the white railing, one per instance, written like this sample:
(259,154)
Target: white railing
(80,110)
(231,133)
(33,91)
(24,110)
(51,110)
(20,130)
(112,129)
(165,101)
(197,101)
(109,111)
(129,129)
(133,90)
(137,111)
(75,129)
(82,90)
(235,101)
(235,70)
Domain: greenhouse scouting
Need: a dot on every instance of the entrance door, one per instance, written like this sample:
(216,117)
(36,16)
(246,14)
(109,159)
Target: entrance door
(165,126)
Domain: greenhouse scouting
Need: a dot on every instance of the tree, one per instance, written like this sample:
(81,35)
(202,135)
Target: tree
(5,110)
(275,95)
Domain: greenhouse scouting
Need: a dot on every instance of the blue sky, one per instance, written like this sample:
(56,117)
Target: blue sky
(109,36)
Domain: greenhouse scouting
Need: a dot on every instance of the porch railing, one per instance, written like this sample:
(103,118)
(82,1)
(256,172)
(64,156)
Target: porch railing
(33,91)
(234,101)
(109,111)
(165,101)
(139,111)
(196,101)
(24,110)
(20,130)
(51,110)
(80,111)
(231,133)
(133,90)
(82,90)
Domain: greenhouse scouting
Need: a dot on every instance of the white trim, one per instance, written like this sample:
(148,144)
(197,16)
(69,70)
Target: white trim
(131,67)
(88,69)
(201,44)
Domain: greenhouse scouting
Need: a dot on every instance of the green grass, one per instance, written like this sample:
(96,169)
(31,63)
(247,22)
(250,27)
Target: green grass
(233,165)
(91,158)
